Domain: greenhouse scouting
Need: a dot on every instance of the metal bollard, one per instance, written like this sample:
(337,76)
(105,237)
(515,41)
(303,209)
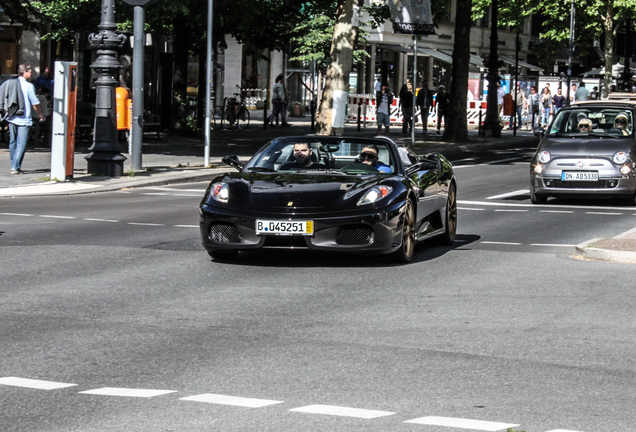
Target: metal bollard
(359,114)
(479,131)
(265,119)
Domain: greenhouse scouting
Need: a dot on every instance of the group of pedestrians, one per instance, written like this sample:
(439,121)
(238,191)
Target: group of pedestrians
(544,106)
(424,100)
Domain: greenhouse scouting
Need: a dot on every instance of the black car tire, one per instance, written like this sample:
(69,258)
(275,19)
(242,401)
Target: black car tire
(631,200)
(223,255)
(404,253)
(536,198)
(448,238)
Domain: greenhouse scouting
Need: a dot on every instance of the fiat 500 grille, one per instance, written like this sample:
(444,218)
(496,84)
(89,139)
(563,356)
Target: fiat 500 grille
(583,185)
(224,233)
(358,236)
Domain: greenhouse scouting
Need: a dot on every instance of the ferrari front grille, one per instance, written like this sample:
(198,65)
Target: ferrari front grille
(224,233)
(358,236)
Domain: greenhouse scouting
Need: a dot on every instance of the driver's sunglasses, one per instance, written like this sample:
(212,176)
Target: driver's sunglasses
(621,121)
(584,127)
(367,155)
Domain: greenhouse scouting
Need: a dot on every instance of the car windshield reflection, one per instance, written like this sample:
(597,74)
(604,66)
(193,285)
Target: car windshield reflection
(313,154)
(593,121)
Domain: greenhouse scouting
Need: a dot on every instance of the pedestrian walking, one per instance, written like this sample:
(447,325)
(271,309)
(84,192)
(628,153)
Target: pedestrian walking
(557,101)
(582,94)
(406,105)
(441,104)
(519,97)
(534,106)
(546,107)
(501,92)
(383,106)
(18,100)
(424,101)
(279,102)
(594,93)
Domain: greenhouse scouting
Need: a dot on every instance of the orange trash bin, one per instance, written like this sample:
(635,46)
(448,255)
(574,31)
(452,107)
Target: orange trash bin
(123,100)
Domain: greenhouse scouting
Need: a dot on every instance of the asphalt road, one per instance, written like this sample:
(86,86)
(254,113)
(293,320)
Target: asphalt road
(110,303)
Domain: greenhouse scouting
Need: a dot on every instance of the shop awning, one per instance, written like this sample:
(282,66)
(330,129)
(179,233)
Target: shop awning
(511,61)
(436,54)
(396,48)
(474,60)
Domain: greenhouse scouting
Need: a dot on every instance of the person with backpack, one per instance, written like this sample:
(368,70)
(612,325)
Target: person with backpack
(546,107)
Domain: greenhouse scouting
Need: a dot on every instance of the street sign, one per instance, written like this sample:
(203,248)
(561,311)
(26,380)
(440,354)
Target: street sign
(412,16)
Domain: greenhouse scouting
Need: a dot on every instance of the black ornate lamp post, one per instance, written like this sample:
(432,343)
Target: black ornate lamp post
(106,158)
(492,128)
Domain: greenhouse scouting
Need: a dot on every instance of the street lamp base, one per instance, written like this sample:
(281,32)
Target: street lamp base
(106,164)
(492,129)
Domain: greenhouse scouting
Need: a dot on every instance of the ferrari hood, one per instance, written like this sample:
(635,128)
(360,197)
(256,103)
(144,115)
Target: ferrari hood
(297,191)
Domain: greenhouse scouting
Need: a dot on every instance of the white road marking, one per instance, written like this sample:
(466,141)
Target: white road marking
(462,423)
(562,430)
(510,194)
(469,208)
(186,226)
(34,384)
(538,206)
(551,245)
(342,411)
(46,188)
(556,211)
(604,213)
(231,400)
(127,392)
(16,214)
(512,210)
(144,224)
(501,243)
(57,217)
(174,189)
(100,220)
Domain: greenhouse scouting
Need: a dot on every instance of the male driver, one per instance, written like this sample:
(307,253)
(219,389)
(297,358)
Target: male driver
(302,153)
(20,122)
(369,156)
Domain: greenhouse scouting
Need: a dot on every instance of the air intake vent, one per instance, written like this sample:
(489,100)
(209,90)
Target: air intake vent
(224,233)
(355,236)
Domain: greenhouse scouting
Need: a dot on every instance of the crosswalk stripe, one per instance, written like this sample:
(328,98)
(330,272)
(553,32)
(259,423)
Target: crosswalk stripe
(127,392)
(462,423)
(34,384)
(342,411)
(231,400)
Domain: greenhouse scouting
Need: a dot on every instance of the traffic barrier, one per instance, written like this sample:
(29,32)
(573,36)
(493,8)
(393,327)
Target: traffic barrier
(472,112)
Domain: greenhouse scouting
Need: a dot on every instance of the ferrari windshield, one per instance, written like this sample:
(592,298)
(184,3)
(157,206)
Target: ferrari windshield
(307,154)
(593,120)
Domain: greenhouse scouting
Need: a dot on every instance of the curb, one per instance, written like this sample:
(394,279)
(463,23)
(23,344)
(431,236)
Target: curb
(623,257)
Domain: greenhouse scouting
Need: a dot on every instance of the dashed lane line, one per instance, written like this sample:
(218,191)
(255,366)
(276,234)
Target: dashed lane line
(509,194)
(342,411)
(127,392)
(501,243)
(231,400)
(33,383)
(542,206)
(462,423)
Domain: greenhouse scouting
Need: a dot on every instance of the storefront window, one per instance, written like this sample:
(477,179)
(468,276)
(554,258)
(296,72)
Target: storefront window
(422,69)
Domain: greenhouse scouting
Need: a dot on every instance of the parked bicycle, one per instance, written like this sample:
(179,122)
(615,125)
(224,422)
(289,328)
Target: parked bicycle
(235,112)
(192,114)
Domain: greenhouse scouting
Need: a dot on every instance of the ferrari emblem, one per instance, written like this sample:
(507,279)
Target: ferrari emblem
(289,204)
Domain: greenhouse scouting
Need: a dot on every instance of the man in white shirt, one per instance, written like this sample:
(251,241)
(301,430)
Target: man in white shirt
(19,124)
(383,104)
(581,94)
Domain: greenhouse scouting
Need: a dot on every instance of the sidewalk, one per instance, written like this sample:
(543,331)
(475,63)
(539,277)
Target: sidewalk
(178,159)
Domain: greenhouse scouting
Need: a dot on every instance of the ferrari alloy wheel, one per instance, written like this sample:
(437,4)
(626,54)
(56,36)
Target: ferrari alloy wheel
(404,254)
(223,255)
(448,238)
(536,198)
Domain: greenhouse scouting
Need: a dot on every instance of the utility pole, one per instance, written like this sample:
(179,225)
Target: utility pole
(492,128)
(570,51)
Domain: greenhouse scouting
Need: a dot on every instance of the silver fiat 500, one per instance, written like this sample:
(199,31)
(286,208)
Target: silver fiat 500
(589,150)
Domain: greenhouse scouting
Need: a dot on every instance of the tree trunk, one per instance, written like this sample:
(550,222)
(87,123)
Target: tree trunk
(456,128)
(180,77)
(337,81)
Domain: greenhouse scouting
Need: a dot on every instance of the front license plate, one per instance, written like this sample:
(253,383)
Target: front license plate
(274,227)
(579,176)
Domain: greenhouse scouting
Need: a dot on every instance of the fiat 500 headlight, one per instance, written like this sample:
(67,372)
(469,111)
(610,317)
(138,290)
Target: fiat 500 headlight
(620,157)
(544,157)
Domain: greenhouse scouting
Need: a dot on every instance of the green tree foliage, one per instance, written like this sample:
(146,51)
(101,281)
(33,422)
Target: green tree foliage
(21,12)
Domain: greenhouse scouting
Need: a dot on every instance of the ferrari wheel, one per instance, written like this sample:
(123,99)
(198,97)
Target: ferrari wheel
(448,238)
(404,254)
(223,255)
(536,198)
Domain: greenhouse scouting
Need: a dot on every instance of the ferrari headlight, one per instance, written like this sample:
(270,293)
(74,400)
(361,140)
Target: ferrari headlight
(375,194)
(544,157)
(220,192)
(620,157)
